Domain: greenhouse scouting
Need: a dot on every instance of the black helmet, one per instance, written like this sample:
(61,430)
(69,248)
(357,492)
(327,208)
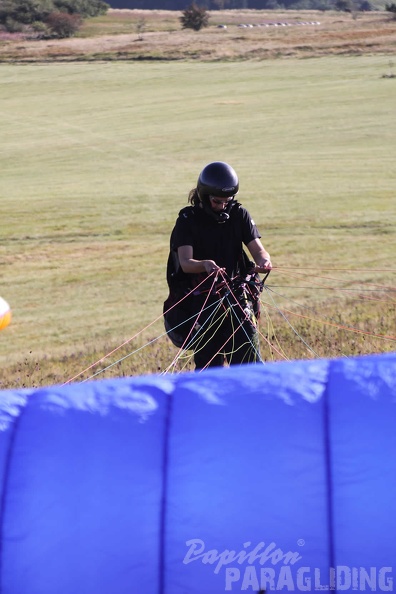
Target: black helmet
(217,179)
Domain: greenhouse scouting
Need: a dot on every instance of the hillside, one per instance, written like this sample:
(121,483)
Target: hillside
(232,35)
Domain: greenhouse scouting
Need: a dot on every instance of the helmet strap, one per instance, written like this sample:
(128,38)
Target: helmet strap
(219,217)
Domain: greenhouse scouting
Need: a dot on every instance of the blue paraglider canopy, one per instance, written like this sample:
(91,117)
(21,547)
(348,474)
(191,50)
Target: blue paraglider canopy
(252,478)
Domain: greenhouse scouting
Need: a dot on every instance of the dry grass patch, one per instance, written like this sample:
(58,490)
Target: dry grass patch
(323,332)
(156,35)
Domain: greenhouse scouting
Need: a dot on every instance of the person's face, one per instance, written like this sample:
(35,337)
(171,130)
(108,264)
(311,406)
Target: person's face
(219,204)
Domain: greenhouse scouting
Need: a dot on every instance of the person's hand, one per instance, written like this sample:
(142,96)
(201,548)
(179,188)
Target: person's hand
(263,265)
(211,266)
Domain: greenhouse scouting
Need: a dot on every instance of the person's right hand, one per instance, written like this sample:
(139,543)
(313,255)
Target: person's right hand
(211,266)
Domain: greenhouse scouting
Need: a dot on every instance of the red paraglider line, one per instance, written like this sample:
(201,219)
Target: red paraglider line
(341,326)
(261,334)
(132,337)
(298,274)
(239,326)
(334,269)
(215,275)
(295,274)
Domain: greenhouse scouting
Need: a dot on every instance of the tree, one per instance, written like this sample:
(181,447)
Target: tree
(140,27)
(24,12)
(27,14)
(194,17)
(85,8)
(391,8)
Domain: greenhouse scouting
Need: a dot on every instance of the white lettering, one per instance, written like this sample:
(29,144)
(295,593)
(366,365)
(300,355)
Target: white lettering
(250,579)
(339,578)
(210,557)
(385,584)
(343,575)
(303,584)
(355,578)
(368,580)
(271,555)
(242,555)
(253,555)
(318,585)
(285,579)
(197,551)
(193,545)
(332,578)
(232,575)
(267,578)
(225,558)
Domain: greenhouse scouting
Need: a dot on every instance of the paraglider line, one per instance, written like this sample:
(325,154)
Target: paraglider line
(335,269)
(130,339)
(137,350)
(335,325)
(192,342)
(182,348)
(240,325)
(290,324)
(297,275)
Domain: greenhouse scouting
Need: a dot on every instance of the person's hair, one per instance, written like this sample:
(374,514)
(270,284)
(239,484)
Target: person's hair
(193,197)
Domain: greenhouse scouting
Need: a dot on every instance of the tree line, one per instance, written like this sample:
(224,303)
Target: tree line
(62,18)
(180,5)
(48,18)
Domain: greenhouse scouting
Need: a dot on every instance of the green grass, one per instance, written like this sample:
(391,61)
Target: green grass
(133,22)
(97,159)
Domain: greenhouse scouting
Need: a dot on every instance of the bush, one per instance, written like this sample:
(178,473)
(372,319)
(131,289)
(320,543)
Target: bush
(391,8)
(41,29)
(62,24)
(13,26)
(85,8)
(194,17)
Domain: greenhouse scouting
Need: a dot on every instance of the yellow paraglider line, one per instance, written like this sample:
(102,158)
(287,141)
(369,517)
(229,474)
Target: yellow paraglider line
(274,344)
(132,337)
(195,342)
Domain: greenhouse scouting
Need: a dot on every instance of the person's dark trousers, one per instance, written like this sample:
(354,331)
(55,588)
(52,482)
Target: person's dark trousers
(226,333)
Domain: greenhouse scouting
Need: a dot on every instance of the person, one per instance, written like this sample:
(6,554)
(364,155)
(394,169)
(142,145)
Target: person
(206,253)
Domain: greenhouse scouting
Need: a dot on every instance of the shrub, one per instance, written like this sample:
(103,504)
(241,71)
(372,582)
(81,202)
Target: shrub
(391,8)
(194,17)
(13,26)
(40,29)
(62,24)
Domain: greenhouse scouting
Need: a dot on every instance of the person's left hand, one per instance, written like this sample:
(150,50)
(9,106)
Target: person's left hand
(263,265)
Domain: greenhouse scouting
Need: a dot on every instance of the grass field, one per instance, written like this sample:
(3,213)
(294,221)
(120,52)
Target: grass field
(96,159)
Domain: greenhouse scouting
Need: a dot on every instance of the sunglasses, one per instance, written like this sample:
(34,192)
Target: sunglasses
(219,201)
